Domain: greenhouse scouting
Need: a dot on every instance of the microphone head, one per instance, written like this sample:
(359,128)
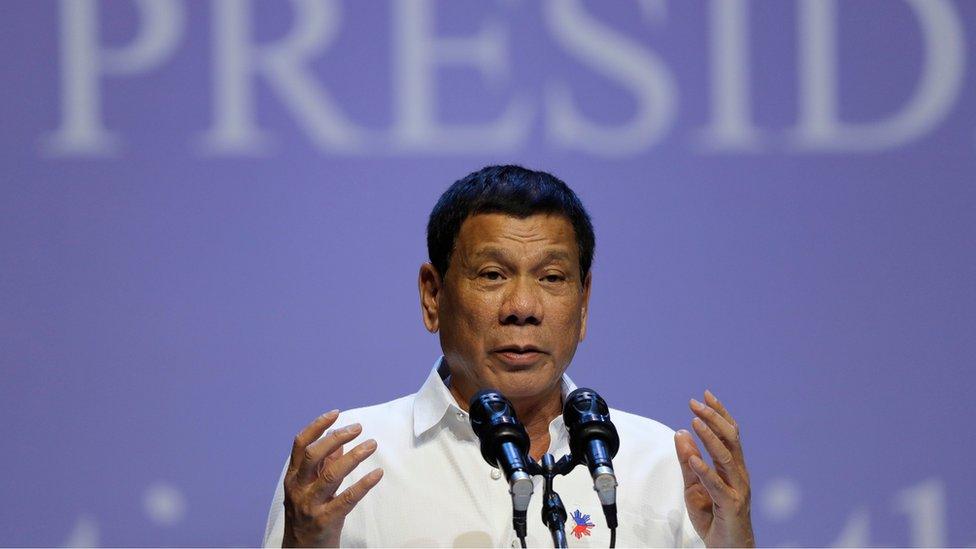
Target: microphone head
(587,417)
(493,419)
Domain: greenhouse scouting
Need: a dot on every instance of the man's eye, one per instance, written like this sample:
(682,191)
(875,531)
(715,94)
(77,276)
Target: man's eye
(554,278)
(491,275)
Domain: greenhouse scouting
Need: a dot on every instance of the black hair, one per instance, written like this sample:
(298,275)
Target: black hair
(510,190)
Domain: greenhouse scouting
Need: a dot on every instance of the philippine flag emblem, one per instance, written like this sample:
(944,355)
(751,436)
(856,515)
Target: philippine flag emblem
(583,524)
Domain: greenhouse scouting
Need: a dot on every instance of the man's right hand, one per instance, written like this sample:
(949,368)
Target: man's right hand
(314,513)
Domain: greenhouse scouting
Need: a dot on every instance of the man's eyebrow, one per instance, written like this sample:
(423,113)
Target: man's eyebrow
(489,252)
(556,255)
(493,252)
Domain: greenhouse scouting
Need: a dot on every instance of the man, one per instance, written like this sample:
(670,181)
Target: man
(507,289)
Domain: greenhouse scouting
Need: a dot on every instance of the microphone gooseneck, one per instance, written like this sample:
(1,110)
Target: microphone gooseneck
(593,440)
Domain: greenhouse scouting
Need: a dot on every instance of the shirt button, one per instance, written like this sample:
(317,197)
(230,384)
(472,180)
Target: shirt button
(516,544)
(496,474)
(460,416)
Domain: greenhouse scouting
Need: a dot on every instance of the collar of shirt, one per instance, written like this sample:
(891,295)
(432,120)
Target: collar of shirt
(435,404)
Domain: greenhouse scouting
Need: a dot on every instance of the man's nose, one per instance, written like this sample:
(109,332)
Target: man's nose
(522,304)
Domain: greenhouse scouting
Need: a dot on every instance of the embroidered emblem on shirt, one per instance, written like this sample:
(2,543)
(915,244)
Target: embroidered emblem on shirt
(583,524)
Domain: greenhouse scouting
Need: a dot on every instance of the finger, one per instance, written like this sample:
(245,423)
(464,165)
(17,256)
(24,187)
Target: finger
(717,489)
(335,453)
(715,403)
(735,436)
(344,502)
(717,422)
(725,462)
(316,452)
(333,472)
(309,434)
(684,445)
(697,500)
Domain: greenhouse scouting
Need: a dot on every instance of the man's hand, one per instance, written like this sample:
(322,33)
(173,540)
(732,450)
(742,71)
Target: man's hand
(313,512)
(717,498)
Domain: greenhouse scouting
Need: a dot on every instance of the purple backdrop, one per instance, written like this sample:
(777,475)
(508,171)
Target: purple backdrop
(212,216)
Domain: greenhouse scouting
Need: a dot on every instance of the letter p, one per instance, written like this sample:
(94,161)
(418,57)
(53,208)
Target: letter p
(84,61)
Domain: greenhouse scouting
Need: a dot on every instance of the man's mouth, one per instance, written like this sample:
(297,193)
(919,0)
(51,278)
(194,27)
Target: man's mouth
(519,355)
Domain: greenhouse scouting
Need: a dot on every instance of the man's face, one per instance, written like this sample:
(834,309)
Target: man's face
(512,308)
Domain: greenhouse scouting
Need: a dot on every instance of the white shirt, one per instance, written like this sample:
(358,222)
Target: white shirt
(437,490)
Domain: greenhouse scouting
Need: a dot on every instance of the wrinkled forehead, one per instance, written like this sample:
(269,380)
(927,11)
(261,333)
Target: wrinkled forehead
(502,236)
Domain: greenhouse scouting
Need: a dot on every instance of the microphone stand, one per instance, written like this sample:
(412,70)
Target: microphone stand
(505,443)
(553,510)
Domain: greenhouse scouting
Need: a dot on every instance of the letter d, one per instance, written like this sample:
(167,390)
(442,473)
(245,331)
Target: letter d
(820,127)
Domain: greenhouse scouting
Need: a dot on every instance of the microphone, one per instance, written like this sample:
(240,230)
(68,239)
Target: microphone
(504,444)
(593,440)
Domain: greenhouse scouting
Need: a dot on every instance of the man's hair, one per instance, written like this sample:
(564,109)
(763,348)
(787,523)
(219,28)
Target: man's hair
(509,190)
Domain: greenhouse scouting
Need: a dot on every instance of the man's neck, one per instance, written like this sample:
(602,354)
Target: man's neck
(535,414)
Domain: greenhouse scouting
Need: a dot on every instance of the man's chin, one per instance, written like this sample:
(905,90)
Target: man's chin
(525,383)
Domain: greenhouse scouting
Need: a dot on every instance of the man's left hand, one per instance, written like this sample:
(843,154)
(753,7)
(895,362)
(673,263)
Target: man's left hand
(717,497)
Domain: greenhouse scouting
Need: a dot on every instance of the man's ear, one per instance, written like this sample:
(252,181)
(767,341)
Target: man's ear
(429,283)
(586,306)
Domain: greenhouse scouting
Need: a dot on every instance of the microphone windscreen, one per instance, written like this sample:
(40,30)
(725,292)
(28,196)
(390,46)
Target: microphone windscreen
(493,420)
(587,416)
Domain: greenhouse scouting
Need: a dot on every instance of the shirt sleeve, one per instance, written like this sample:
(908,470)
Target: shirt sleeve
(274,532)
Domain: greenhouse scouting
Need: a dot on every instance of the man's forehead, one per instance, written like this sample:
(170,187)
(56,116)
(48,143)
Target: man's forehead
(496,226)
(487,234)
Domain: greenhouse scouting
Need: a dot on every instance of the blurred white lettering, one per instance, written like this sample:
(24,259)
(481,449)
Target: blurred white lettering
(820,127)
(925,506)
(857,531)
(418,54)
(731,127)
(641,72)
(84,61)
(237,60)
